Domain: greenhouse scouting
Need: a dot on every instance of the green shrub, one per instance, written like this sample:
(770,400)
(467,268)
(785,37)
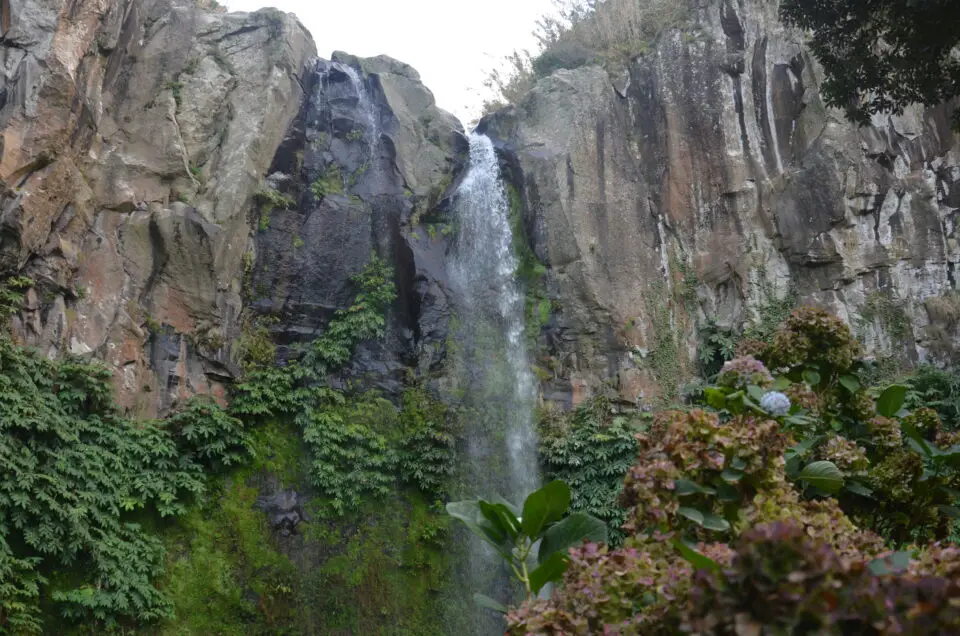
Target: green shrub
(590,450)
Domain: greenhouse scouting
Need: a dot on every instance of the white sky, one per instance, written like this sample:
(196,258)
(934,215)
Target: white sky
(452,43)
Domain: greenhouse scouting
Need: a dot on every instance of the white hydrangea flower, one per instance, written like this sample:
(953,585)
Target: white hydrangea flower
(775,403)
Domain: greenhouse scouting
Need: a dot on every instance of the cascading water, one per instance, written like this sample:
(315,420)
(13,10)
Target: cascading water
(493,373)
(368,110)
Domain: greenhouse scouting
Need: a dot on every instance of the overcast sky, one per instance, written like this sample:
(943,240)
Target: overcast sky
(452,43)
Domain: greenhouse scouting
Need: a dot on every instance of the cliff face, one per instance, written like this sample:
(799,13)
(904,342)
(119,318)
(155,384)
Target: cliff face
(708,180)
(365,168)
(134,134)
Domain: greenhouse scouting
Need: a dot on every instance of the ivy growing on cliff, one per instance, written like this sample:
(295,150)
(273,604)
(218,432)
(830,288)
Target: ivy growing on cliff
(590,449)
(78,483)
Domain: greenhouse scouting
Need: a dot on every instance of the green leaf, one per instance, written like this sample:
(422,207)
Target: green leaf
(811,377)
(781,383)
(716,398)
(486,602)
(891,400)
(544,507)
(738,463)
(549,571)
(469,513)
(850,383)
(916,442)
(731,475)
(858,488)
(726,492)
(894,563)
(713,522)
(501,518)
(755,392)
(692,514)
(801,449)
(574,530)
(694,558)
(951,511)
(685,487)
(823,475)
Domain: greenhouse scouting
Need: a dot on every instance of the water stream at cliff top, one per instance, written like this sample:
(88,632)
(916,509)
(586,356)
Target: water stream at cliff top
(493,372)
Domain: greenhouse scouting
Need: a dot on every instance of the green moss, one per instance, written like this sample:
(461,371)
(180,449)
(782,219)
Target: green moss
(224,575)
(387,573)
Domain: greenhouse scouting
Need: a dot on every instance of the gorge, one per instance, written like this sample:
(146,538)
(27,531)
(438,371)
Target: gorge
(199,202)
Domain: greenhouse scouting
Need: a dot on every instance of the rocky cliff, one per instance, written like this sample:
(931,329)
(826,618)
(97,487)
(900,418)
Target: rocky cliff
(707,181)
(134,135)
(137,138)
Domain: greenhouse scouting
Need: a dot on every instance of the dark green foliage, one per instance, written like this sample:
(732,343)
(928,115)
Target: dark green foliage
(331,182)
(208,434)
(11,296)
(717,345)
(427,457)
(881,55)
(363,320)
(938,389)
(591,450)
(351,457)
(74,474)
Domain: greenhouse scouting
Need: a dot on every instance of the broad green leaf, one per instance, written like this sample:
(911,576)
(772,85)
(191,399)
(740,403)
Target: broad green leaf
(685,487)
(726,492)
(574,530)
(738,463)
(692,514)
(823,475)
(781,383)
(513,508)
(891,400)
(811,377)
(731,475)
(469,513)
(501,518)
(544,507)
(850,383)
(858,488)
(755,392)
(801,449)
(713,522)
(916,442)
(486,602)
(549,570)
(893,563)
(694,558)
(715,398)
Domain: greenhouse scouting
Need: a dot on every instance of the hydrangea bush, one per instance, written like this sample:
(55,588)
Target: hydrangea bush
(793,484)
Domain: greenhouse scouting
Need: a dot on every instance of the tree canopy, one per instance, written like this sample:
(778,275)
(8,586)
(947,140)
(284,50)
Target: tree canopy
(882,55)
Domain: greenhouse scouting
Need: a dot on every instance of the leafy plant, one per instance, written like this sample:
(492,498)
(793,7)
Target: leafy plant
(330,182)
(513,533)
(590,449)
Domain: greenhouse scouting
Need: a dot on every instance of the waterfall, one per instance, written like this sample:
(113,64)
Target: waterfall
(493,374)
(368,110)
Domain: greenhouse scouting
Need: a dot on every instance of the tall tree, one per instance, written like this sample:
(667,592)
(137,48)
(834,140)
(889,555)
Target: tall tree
(882,55)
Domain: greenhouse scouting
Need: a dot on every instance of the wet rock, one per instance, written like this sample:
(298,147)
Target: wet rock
(711,177)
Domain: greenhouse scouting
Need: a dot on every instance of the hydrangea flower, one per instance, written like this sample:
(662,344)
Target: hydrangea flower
(744,371)
(775,403)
